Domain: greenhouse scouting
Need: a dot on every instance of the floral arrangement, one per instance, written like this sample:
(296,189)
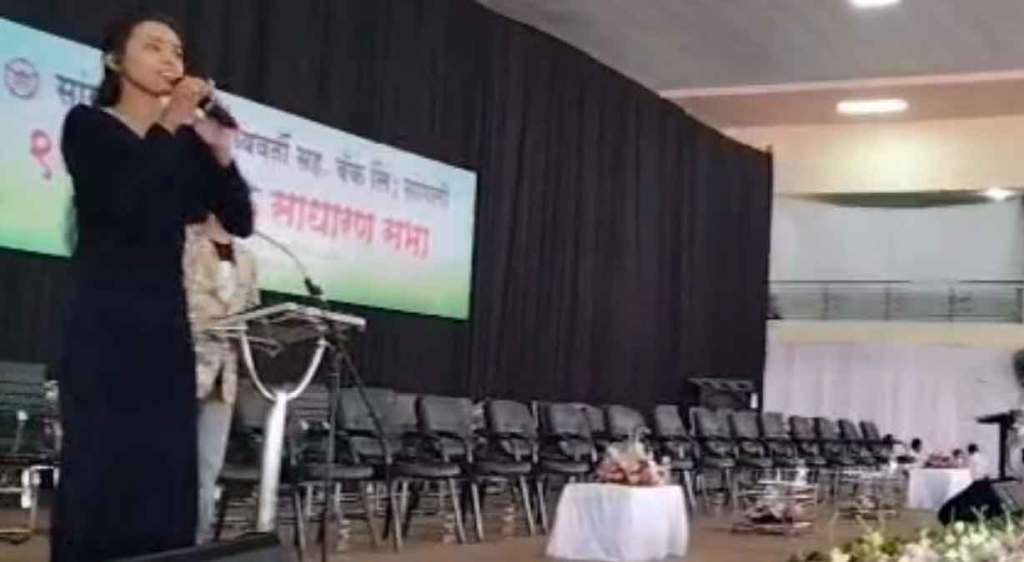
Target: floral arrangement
(940,460)
(997,540)
(774,510)
(630,463)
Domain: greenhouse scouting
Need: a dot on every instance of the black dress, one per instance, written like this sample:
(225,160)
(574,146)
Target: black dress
(127,380)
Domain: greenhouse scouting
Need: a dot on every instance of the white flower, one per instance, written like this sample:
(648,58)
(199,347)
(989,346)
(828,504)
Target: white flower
(838,556)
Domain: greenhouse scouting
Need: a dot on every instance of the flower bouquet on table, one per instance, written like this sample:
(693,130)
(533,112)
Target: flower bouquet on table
(631,464)
(941,460)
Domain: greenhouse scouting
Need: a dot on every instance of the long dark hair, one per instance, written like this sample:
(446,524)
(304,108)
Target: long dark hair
(114,43)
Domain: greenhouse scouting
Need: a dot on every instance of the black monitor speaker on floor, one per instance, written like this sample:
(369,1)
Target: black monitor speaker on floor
(984,499)
(254,548)
(727,394)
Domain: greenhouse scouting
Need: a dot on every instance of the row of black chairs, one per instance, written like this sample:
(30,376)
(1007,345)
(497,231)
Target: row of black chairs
(767,440)
(411,443)
(757,443)
(408,444)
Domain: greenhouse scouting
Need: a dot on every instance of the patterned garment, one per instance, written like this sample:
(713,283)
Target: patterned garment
(216,289)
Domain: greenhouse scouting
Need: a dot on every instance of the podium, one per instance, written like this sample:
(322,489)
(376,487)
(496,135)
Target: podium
(276,327)
(1005,421)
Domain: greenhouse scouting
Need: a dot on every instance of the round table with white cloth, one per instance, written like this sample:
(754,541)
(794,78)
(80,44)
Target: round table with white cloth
(930,488)
(619,523)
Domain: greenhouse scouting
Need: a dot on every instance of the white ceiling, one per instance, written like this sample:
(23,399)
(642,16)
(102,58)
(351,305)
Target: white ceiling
(806,105)
(717,48)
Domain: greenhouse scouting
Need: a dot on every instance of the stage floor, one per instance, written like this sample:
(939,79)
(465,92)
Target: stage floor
(710,541)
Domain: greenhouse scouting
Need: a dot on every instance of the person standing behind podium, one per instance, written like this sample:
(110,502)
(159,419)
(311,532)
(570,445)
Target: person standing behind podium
(141,162)
(220,280)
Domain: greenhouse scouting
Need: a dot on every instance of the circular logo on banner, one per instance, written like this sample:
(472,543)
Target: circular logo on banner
(21,78)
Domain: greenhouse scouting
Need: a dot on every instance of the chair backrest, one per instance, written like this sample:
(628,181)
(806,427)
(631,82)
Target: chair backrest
(513,429)
(354,418)
(568,431)
(451,420)
(870,431)
(803,428)
(479,417)
(827,429)
(405,411)
(773,426)
(446,415)
(310,407)
(25,409)
(354,414)
(624,422)
(668,424)
(560,419)
(710,425)
(511,417)
(595,417)
(848,430)
(745,425)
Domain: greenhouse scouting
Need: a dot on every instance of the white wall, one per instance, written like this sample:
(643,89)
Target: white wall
(924,380)
(879,156)
(815,241)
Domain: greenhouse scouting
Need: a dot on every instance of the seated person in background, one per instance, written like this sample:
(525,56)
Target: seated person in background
(958,458)
(916,453)
(977,463)
(898,451)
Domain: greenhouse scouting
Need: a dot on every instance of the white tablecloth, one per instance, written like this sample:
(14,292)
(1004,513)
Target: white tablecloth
(932,487)
(620,523)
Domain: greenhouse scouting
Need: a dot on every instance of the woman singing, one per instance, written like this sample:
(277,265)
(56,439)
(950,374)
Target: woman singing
(142,163)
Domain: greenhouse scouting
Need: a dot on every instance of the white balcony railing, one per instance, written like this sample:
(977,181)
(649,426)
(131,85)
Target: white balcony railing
(959,301)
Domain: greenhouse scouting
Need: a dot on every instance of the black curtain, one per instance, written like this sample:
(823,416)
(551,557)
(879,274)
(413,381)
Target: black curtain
(621,246)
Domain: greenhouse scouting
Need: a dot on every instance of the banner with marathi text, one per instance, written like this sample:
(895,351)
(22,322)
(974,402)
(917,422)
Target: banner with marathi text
(375,225)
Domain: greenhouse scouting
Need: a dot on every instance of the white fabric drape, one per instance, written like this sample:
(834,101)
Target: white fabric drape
(616,523)
(930,489)
(930,391)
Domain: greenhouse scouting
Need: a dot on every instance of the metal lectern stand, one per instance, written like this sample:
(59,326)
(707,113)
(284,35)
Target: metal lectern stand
(281,325)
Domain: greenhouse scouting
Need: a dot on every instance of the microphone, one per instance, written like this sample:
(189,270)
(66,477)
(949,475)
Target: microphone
(217,112)
(312,288)
(213,109)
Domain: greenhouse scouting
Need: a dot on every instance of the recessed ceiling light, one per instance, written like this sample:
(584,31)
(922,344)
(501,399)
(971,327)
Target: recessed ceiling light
(872,107)
(868,4)
(998,194)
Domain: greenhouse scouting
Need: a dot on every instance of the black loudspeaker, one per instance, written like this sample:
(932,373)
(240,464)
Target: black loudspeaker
(727,394)
(985,499)
(255,548)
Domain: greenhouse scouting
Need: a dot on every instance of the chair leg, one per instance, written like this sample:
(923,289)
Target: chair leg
(411,505)
(396,511)
(478,519)
(310,490)
(460,528)
(222,512)
(344,525)
(730,482)
(300,522)
(33,497)
(524,492)
(687,481)
(368,490)
(700,482)
(542,506)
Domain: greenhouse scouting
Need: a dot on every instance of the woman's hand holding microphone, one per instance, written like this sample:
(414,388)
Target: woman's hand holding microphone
(188,93)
